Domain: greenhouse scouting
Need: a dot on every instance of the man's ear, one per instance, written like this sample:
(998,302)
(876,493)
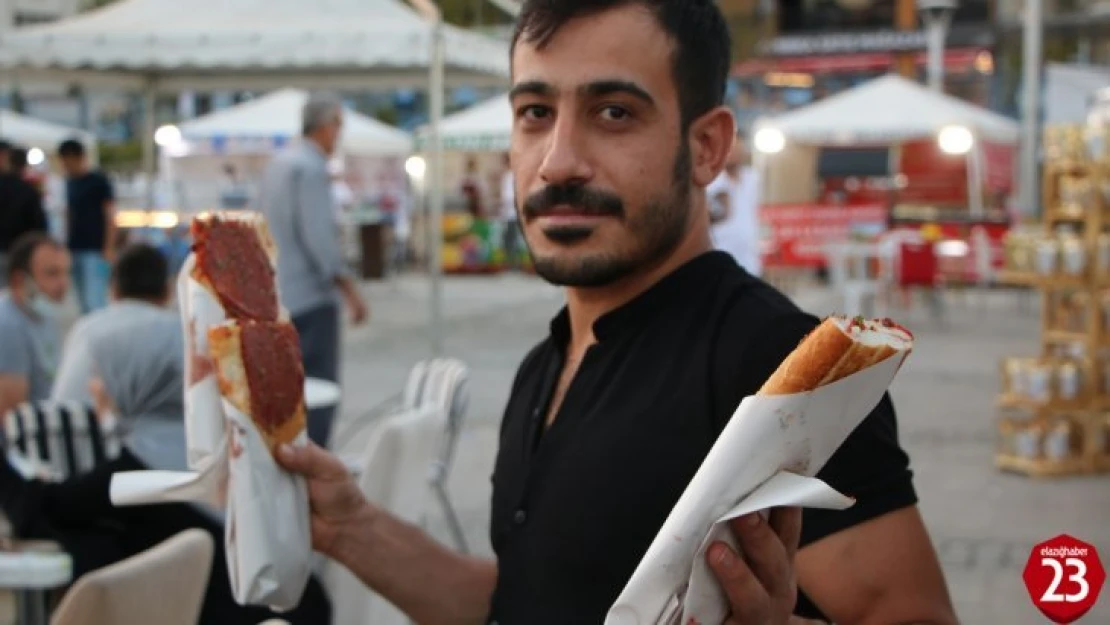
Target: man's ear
(711,139)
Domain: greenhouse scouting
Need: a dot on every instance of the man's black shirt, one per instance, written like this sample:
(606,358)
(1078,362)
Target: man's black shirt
(21,210)
(576,505)
(86,195)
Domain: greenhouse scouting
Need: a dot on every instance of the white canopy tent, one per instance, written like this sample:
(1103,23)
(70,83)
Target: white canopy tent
(275,118)
(486,126)
(888,109)
(249,44)
(30,133)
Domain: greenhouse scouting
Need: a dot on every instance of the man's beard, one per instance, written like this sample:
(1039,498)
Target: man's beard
(656,232)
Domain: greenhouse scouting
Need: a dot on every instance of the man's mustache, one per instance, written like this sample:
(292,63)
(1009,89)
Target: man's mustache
(586,201)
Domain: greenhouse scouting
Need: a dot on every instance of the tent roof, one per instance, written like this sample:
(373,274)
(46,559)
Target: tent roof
(889,108)
(484,126)
(278,115)
(30,132)
(182,43)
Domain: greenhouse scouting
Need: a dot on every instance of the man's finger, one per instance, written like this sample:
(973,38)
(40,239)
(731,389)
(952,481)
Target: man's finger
(787,523)
(765,553)
(748,601)
(311,461)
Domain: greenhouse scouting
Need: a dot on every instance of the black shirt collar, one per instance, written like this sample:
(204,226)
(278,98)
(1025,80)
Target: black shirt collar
(693,277)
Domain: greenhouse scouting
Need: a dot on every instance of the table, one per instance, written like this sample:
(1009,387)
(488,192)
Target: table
(31,573)
(320,393)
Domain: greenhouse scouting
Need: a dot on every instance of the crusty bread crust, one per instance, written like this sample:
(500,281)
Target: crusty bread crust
(225,346)
(830,353)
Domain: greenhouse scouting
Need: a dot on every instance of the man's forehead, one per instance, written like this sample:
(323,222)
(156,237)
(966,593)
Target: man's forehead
(625,44)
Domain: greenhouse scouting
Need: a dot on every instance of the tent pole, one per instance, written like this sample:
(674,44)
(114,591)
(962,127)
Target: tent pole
(1031,105)
(148,147)
(436,204)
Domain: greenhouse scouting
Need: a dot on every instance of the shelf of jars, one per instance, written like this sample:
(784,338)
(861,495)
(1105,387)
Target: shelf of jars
(1055,406)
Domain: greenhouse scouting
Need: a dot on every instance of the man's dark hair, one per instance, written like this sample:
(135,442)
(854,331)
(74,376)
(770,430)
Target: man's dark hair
(141,272)
(5,146)
(700,66)
(23,249)
(71,147)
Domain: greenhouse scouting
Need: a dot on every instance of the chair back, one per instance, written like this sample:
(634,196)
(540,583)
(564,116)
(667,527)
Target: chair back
(393,477)
(443,383)
(60,438)
(917,264)
(164,584)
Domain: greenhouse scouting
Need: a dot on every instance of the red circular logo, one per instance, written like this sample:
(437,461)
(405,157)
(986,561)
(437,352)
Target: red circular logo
(1064,577)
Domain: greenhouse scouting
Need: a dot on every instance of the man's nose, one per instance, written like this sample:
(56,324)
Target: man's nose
(564,161)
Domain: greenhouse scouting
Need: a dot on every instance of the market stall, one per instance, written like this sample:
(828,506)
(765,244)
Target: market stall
(241,140)
(889,154)
(479,134)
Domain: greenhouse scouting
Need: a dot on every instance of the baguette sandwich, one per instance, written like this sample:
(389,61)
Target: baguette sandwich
(259,371)
(236,261)
(834,350)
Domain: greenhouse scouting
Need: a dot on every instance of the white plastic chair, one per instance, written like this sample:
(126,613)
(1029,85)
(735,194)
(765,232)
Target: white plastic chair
(59,438)
(164,584)
(442,383)
(393,477)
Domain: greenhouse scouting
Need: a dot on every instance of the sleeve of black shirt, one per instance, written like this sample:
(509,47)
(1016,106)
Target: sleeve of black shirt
(870,466)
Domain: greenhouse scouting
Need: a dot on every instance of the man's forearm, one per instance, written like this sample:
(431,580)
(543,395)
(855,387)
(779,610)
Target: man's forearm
(430,583)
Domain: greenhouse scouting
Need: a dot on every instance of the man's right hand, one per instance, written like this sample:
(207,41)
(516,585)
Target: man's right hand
(333,495)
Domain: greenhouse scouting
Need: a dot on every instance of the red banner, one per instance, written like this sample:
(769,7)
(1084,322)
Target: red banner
(796,234)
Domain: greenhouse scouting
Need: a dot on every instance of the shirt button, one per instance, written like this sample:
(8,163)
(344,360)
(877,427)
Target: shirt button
(519,517)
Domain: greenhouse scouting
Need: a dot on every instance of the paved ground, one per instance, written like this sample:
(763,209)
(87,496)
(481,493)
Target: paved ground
(983,522)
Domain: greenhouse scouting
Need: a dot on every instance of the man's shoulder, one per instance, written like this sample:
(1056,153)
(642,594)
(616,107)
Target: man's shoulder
(750,306)
(13,322)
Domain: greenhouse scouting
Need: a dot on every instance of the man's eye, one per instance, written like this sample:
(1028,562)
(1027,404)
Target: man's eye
(533,112)
(615,113)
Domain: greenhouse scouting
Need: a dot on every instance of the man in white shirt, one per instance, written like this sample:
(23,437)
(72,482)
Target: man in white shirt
(734,198)
(139,292)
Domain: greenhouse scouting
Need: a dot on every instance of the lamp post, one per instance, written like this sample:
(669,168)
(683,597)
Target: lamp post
(937,15)
(435,179)
(1031,104)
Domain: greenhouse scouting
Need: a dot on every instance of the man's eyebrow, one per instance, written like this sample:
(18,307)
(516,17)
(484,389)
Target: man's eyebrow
(531,87)
(594,89)
(609,87)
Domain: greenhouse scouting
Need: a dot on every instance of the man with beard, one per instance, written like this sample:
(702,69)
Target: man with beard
(618,128)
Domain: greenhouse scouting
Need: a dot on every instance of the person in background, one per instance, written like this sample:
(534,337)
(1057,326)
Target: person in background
(138,383)
(38,278)
(21,205)
(296,198)
(734,201)
(91,225)
(140,292)
(473,190)
(511,237)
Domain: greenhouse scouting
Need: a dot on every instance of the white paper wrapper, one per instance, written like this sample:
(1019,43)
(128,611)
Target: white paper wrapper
(267,533)
(204,418)
(268,539)
(765,457)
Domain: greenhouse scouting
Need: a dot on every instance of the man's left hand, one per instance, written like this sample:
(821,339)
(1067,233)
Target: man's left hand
(760,586)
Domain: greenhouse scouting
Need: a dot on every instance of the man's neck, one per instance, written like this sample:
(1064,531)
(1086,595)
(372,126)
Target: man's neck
(586,305)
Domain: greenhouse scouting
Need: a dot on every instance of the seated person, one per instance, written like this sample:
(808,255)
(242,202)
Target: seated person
(140,292)
(38,279)
(139,379)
